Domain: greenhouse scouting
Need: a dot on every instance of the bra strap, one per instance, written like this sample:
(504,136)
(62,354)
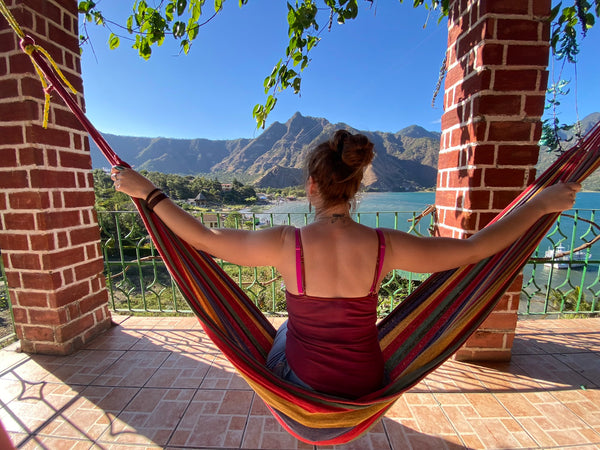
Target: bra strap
(299,263)
(380,258)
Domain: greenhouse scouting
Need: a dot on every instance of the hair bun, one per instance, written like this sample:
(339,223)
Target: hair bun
(355,150)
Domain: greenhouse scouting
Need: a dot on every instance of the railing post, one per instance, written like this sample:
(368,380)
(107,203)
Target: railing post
(494,98)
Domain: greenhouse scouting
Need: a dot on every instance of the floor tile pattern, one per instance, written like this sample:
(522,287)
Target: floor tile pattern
(159,383)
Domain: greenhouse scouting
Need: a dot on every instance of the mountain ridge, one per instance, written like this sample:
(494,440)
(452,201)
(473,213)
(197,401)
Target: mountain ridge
(405,160)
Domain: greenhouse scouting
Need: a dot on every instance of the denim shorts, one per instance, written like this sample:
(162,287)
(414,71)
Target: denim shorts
(277,360)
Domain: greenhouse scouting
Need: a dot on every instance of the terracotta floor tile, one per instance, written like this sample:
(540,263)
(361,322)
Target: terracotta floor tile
(211,421)
(190,341)
(150,417)
(182,370)
(132,369)
(222,375)
(39,403)
(117,338)
(81,368)
(585,364)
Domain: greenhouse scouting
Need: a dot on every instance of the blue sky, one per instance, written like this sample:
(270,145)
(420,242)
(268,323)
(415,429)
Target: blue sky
(375,73)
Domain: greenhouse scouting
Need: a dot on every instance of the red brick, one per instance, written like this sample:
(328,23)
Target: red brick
(20,111)
(37,333)
(500,321)
(509,131)
(43,281)
(74,328)
(31,156)
(465,178)
(50,220)
(482,355)
(85,235)
(482,155)
(13,241)
(516,80)
(490,55)
(486,339)
(63,258)
(78,199)
(13,179)
(30,299)
(42,242)
(13,221)
(504,177)
(41,178)
(8,156)
(29,200)
(89,269)
(518,154)
(449,159)
(39,135)
(475,200)
(527,55)
(20,315)
(504,198)
(9,85)
(11,134)
(68,294)
(445,198)
(534,105)
(29,261)
(497,105)
(517,30)
(48,316)
(504,7)
(94,301)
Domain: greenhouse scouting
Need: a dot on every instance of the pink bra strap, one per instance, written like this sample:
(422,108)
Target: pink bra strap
(380,258)
(299,263)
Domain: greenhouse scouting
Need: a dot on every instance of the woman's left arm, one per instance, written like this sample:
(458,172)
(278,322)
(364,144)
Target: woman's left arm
(243,247)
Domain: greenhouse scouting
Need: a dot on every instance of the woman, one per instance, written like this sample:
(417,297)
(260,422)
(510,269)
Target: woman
(332,268)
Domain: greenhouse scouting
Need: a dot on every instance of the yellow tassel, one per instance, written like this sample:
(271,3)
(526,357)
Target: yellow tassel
(29,49)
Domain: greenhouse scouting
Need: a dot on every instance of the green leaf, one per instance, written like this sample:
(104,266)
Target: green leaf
(181,4)
(554,12)
(185,45)
(192,30)
(218,5)
(113,41)
(178,29)
(169,11)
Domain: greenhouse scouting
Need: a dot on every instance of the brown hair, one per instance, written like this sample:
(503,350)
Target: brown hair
(337,166)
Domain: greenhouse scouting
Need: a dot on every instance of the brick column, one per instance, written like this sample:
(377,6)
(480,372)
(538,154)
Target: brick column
(494,99)
(49,234)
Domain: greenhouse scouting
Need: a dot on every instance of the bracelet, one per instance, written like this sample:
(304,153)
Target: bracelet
(154,191)
(156,200)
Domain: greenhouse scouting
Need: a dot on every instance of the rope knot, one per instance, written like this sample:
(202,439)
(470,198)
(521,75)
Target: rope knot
(27,44)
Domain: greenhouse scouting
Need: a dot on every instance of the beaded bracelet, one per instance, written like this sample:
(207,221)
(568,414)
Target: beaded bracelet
(155,201)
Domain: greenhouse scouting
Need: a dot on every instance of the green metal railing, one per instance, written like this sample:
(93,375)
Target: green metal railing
(138,281)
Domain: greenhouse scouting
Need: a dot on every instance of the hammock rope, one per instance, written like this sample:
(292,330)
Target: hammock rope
(418,336)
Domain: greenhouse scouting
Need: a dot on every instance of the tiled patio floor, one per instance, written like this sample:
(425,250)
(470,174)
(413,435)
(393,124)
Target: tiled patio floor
(160,383)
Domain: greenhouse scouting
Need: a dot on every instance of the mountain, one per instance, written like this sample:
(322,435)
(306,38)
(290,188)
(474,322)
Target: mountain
(406,160)
(547,158)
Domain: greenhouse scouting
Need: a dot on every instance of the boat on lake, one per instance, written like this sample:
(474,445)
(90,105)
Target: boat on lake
(562,258)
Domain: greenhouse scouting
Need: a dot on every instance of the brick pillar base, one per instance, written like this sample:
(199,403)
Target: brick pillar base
(49,233)
(494,99)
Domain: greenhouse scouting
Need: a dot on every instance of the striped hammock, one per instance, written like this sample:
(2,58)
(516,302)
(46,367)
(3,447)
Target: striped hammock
(419,335)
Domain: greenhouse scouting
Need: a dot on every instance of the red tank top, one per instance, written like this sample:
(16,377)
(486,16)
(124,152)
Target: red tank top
(332,343)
